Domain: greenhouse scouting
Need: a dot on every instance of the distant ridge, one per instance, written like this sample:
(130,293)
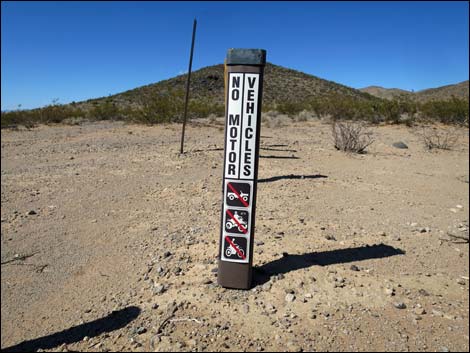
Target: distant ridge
(458,90)
(385,93)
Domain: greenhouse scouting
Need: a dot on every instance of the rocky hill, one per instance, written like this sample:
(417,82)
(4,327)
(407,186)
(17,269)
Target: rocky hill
(280,84)
(458,90)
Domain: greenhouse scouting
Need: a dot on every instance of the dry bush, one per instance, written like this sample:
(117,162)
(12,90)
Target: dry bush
(351,136)
(304,115)
(438,138)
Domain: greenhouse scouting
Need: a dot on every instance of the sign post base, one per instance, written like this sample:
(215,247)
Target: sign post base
(234,275)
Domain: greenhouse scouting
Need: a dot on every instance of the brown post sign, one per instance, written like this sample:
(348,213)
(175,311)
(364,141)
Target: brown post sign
(244,87)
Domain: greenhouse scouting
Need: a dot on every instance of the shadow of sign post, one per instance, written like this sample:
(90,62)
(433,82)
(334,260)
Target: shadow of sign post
(111,322)
(262,274)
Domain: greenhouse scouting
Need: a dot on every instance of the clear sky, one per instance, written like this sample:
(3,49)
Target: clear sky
(80,50)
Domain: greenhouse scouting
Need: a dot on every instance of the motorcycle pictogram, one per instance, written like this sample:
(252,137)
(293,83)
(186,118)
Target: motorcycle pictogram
(231,250)
(242,223)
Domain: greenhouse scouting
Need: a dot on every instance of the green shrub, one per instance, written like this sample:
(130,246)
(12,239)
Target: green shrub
(454,111)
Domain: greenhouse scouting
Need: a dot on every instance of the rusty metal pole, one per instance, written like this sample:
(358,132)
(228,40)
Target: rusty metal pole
(186,99)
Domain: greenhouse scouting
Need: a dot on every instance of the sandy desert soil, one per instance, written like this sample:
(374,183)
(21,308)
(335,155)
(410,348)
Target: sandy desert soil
(109,241)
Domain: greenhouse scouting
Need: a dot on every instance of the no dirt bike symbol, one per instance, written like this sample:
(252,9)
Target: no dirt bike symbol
(236,221)
(238,194)
(235,247)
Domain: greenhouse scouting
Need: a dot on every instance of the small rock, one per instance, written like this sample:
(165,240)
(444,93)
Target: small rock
(461,281)
(207,281)
(399,305)
(290,298)
(31,212)
(423,292)
(354,268)
(177,270)
(330,237)
(246,309)
(191,343)
(292,347)
(166,254)
(267,286)
(453,210)
(308,295)
(140,330)
(420,311)
(400,145)
(158,288)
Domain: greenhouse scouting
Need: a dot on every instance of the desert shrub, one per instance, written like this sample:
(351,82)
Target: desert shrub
(351,136)
(53,113)
(304,115)
(438,138)
(290,108)
(159,108)
(199,108)
(15,118)
(454,111)
(107,110)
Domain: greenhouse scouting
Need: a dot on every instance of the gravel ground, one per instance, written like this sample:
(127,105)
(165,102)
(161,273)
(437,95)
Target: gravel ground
(109,241)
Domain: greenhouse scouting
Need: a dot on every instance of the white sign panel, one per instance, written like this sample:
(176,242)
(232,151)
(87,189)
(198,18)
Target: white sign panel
(240,149)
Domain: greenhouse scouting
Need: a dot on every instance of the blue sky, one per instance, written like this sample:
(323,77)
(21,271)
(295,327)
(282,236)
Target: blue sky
(80,50)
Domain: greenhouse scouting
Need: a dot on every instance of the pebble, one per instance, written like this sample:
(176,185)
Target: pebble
(330,237)
(31,212)
(290,297)
(292,347)
(354,268)
(207,281)
(166,254)
(461,281)
(400,145)
(141,330)
(420,311)
(271,308)
(423,292)
(158,288)
(246,309)
(267,286)
(399,305)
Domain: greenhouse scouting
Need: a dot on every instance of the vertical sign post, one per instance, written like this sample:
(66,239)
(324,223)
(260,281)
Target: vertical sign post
(244,70)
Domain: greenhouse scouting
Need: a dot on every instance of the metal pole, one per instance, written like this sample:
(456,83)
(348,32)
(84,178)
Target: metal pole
(187,86)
